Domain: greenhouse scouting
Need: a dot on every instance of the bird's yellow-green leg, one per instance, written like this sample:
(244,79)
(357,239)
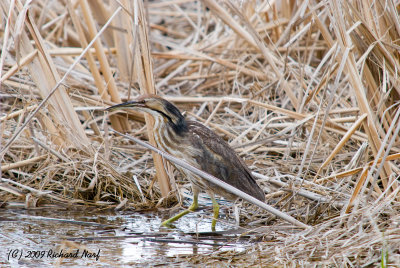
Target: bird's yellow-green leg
(192,208)
(216,212)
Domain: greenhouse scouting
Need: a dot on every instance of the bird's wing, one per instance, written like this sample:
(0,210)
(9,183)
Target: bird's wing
(220,160)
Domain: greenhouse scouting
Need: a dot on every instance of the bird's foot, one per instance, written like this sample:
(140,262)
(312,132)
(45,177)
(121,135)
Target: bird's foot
(216,214)
(168,224)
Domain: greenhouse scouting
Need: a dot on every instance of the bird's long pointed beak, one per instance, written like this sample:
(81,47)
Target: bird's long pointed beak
(125,105)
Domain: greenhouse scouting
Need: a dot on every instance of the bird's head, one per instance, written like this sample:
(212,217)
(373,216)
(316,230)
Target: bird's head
(158,107)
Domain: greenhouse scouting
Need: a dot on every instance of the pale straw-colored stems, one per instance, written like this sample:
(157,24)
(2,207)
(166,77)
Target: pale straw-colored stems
(355,80)
(45,76)
(341,143)
(33,160)
(112,89)
(143,74)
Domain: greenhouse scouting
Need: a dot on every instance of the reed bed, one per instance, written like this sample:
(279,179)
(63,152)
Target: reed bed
(307,92)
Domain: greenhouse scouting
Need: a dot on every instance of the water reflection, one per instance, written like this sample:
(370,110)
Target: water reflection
(123,238)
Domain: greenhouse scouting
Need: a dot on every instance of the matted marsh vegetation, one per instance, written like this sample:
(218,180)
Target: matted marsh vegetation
(307,92)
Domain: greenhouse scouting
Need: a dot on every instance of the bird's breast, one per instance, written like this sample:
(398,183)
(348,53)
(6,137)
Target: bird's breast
(174,144)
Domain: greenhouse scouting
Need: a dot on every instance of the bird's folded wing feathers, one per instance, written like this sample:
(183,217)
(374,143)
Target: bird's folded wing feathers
(220,160)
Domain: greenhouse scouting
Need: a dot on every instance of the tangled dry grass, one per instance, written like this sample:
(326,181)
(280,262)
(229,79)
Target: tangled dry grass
(306,91)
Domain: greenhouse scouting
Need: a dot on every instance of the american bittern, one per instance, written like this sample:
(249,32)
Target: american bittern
(200,147)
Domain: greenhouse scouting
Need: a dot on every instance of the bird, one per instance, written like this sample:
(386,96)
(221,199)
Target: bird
(199,146)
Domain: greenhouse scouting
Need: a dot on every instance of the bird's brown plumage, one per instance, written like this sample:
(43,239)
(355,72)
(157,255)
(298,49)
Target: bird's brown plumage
(200,147)
(221,161)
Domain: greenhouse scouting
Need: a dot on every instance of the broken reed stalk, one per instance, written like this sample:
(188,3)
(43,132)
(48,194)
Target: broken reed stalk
(94,70)
(59,83)
(342,142)
(122,123)
(143,71)
(22,163)
(344,41)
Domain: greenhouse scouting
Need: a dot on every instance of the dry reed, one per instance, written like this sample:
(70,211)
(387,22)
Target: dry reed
(306,91)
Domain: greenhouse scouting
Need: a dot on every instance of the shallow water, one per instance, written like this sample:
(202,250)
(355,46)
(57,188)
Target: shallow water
(35,238)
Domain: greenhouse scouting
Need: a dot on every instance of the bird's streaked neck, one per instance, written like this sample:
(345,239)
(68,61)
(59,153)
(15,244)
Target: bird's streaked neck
(169,133)
(180,126)
(176,122)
